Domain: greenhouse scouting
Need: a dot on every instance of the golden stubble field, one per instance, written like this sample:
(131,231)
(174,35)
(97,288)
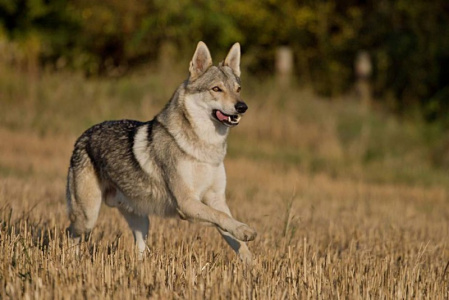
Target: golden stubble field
(319,236)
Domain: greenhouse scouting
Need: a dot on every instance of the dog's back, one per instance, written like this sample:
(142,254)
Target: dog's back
(105,166)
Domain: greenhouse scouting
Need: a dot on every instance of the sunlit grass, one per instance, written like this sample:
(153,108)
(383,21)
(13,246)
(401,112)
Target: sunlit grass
(347,204)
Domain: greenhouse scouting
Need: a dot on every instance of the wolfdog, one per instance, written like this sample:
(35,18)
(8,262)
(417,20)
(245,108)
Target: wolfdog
(169,166)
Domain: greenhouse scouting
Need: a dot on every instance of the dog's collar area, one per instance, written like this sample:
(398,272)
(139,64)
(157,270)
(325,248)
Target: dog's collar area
(228,120)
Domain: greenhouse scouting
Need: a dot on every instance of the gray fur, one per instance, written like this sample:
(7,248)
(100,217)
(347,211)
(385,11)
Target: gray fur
(170,165)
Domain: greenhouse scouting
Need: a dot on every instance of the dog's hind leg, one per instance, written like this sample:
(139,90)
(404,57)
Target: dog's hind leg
(83,199)
(139,226)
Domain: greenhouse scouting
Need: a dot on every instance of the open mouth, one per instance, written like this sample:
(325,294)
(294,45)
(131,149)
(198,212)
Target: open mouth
(228,120)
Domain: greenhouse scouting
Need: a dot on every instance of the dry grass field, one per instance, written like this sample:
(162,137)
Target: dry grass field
(345,203)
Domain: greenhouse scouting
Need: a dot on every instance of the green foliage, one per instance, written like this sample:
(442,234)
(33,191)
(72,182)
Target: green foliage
(49,21)
(411,56)
(405,39)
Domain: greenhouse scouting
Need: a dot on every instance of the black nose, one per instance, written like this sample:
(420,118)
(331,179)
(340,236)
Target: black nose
(241,107)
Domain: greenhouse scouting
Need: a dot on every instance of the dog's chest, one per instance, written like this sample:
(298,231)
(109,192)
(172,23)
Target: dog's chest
(201,177)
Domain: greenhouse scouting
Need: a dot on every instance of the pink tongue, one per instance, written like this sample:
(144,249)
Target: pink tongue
(221,116)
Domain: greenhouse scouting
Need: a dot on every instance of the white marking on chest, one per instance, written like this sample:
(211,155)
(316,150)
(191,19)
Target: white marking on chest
(141,150)
(200,177)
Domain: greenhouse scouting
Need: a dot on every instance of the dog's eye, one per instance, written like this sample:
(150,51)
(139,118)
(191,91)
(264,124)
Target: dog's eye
(238,89)
(217,89)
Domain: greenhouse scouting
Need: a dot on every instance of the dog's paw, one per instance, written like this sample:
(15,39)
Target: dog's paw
(246,257)
(245,233)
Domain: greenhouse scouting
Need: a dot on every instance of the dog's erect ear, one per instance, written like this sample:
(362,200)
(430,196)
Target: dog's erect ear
(201,61)
(232,60)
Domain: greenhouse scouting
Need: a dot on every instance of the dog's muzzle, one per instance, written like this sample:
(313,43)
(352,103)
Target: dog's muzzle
(228,120)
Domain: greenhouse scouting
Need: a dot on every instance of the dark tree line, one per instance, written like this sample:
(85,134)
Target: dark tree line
(408,40)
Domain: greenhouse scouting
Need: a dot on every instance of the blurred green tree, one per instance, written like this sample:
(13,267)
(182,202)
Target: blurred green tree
(41,28)
(405,38)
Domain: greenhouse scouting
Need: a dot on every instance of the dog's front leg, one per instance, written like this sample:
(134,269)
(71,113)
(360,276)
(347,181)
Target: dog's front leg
(238,246)
(219,202)
(191,208)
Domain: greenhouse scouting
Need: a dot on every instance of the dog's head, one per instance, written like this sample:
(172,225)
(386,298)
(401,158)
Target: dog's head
(217,87)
